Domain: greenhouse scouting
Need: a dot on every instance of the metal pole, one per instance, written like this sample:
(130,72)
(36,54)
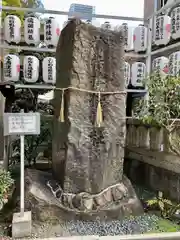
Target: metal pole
(148,59)
(78,15)
(22,174)
(170,5)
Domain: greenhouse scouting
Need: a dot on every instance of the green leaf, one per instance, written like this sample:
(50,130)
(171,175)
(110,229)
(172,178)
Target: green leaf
(5,183)
(152,202)
(161,205)
(168,202)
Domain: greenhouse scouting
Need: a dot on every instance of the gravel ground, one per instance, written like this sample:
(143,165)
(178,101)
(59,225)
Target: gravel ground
(134,225)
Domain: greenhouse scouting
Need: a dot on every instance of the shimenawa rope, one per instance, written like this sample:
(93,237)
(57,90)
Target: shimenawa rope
(99,111)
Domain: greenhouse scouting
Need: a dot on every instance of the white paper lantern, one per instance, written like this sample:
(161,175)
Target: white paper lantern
(162,31)
(117,28)
(11,68)
(12,29)
(31,69)
(140,38)
(160,66)
(128,36)
(32,30)
(174,64)
(138,74)
(127,73)
(49,70)
(51,32)
(96,23)
(106,25)
(175,23)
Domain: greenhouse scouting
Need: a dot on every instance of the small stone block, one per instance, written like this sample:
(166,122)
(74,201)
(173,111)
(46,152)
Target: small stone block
(21,225)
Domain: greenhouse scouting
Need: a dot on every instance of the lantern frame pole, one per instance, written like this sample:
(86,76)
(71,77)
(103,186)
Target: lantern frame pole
(164,49)
(53,50)
(127,54)
(51,87)
(148,59)
(22,175)
(78,15)
(170,5)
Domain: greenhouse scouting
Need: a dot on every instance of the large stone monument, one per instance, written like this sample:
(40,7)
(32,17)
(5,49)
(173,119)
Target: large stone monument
(87,158)
(88,149)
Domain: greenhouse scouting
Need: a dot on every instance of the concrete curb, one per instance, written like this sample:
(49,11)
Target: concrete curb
(153,236)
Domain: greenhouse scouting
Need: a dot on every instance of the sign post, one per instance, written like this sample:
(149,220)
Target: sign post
(22,175)
(21,124)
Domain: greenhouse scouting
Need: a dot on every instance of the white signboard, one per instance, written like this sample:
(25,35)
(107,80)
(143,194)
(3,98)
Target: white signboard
(21,124)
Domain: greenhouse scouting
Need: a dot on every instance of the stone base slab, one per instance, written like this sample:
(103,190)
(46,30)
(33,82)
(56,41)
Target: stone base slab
(46,202)
(21,225)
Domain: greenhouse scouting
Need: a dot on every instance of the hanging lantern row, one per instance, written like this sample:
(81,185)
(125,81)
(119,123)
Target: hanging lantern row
(12,30)
(134,38)
(165,28)
(31,69)
(135,74)
(167,66)
(174,64)
(162,30)
(160,66)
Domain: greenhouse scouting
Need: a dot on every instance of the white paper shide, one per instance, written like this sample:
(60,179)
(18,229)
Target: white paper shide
(32,30)
(11,68)
(31,69)
(49,70)
(12,29)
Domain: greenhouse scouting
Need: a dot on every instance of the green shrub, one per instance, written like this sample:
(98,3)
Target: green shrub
(5,184)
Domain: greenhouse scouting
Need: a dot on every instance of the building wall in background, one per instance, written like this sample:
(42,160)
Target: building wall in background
(88,10)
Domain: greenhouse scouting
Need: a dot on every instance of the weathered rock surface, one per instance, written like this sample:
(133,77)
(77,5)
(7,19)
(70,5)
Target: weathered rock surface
(87,158)
(47,201)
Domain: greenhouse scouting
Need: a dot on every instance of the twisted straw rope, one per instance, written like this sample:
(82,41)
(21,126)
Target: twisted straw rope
(99,114)
(90,91)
